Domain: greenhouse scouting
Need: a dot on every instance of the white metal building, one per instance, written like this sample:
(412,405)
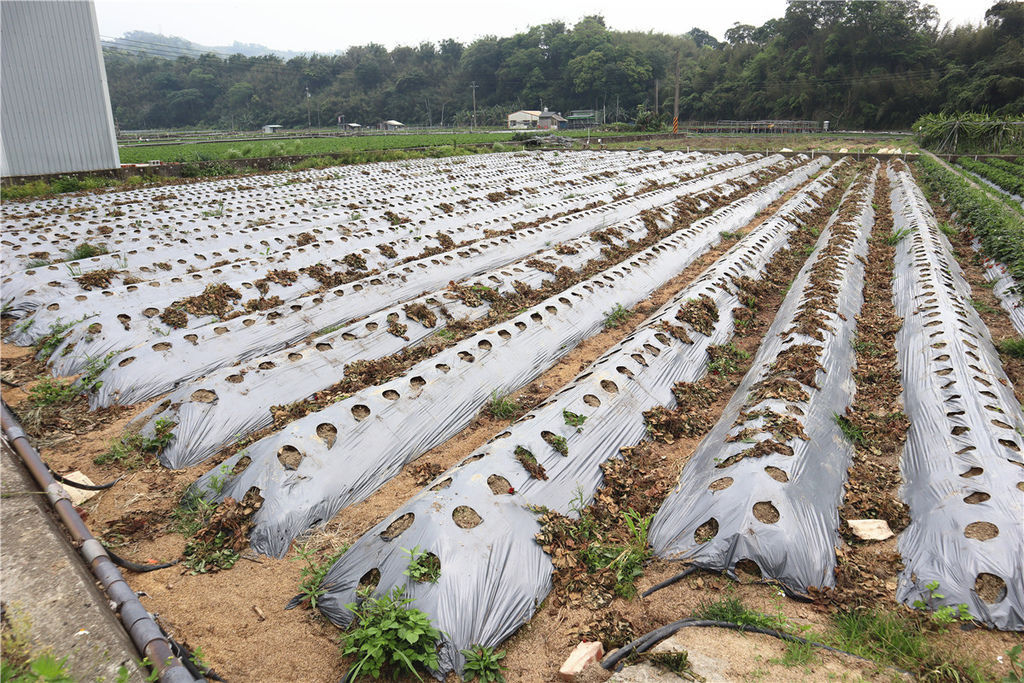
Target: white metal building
(55,112)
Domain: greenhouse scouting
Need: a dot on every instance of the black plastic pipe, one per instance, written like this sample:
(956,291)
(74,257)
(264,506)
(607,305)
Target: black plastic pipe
(144,631)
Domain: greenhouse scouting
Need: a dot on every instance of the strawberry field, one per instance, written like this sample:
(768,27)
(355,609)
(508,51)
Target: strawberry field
(524,391)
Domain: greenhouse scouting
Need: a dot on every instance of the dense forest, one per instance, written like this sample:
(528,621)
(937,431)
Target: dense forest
(872,65)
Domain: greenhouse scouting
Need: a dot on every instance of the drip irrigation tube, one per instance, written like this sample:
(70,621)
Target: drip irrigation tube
(79,485)
(144,632)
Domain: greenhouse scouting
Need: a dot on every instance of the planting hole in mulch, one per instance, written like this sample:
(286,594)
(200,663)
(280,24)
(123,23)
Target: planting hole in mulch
(397,527)
(499,484)
(981,531)
(990,588)
(466,517)
(766,513)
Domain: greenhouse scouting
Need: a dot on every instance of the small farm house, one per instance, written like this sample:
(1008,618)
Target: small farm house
(532,118)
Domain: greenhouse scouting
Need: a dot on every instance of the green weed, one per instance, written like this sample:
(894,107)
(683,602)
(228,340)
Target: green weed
(896,236)
(503,407)
(85,250)
(615,317)
(852,432)
(423,567)
(732,610)
(390,637)
(483,663)
(1011,347)
(312,575)
(131,449)
(982,307)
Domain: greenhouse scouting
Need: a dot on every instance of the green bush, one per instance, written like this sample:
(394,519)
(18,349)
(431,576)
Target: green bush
(390,637)
(1000,231)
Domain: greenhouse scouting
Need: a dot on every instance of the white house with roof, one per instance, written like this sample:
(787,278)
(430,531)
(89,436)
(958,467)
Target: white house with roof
(533,118)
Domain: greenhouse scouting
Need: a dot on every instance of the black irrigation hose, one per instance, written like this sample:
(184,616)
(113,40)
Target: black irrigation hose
(198,670)
(135,566)
(84,487)
(800,597)
(649,640)
(668,582)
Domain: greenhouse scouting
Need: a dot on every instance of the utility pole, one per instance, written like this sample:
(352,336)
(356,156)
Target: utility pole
(675,108)
(473,86)
(309,117)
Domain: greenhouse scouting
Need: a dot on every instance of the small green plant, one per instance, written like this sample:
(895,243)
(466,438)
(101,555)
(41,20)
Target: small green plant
(130,450)
(982,307)
(1016,674)
(423,567)
(50,391)
(559,443)
(1011,347)
(798,654)
(896,236)
(54,337)
(854,433)
(732,610)
(725,359)
(947,614)
(390,637)
(638,526)
(949,231)
(312,575)
(615,317)
(215,213)
(574,420)
(85,250)
(503,407)
(43,668)
(483,663)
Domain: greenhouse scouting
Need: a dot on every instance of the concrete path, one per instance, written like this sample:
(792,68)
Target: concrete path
(47,591)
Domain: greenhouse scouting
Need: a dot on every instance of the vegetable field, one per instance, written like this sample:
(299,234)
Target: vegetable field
(517,392)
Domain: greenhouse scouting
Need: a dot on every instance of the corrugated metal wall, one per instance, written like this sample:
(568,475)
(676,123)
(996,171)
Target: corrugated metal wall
(54,106)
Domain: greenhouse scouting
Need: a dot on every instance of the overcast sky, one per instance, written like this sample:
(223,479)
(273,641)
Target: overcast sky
(330,25)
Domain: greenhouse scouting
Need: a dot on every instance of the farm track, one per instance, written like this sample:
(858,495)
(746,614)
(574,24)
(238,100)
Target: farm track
(289,641)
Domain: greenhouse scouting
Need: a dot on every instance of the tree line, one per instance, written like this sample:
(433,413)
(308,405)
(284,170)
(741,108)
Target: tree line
(861,65)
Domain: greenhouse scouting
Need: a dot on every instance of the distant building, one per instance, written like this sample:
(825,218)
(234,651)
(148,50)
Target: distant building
(55,112)
(272,128)
(584,118)
(353,126)
(533,118)
(392,125)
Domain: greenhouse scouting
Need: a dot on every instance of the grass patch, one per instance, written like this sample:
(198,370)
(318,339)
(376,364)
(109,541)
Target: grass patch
(85,250)
(615,317)
(732,610)
(312,575)
(982,307)
(853,433)
(1011,347)
(889,638)
(503,407)
(132,449)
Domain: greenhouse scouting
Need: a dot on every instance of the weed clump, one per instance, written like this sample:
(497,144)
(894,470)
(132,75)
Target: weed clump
(390,637)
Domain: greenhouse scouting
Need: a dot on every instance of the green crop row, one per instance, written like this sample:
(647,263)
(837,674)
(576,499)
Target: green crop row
(1010,182)
(1000,231)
